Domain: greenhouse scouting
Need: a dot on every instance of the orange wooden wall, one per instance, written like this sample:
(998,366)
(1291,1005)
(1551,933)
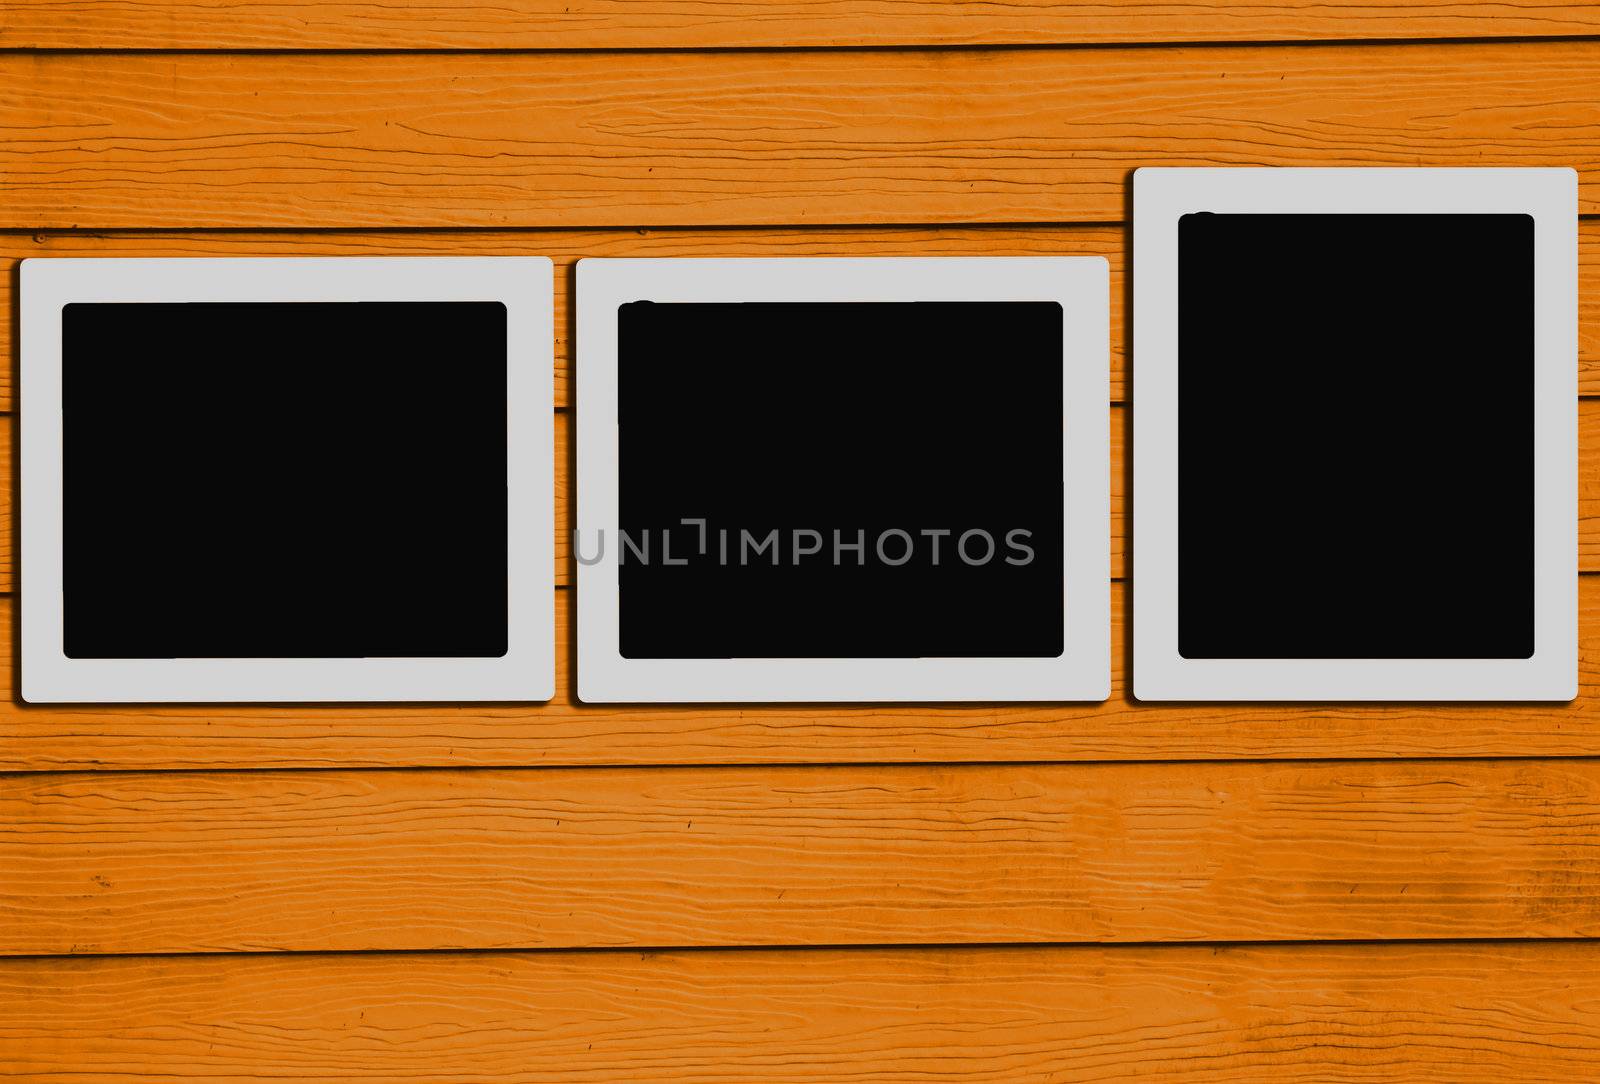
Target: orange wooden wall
(1014,893)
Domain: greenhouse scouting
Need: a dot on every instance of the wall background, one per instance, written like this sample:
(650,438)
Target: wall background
(571,893)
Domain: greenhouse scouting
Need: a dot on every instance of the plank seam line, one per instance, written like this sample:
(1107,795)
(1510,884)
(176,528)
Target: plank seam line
(952,47)
(48,232)
(1455,759)
(735,227)
(571,410)
(1124,404)
(862,947)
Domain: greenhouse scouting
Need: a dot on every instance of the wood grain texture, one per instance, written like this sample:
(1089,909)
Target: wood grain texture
(627,857)
(660,24)
(739,138)
(565,247)
(1361,1014)
(1001,241)
(729,153)
(1588,493)
(34,738)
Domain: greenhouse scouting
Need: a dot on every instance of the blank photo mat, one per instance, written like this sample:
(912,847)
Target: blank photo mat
(265,482)
(1356,402)
(902,436)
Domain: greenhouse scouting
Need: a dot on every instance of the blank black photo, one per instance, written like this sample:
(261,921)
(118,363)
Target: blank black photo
(1356,436)
(284,480)
(863,480)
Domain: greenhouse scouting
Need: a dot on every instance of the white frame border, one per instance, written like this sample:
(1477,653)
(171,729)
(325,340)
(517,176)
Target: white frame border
(1161,197)
(525,673)
(1079,283)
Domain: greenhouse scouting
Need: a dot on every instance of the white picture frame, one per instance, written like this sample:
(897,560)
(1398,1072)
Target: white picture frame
(1161,197)
(527,670)
(1079,284)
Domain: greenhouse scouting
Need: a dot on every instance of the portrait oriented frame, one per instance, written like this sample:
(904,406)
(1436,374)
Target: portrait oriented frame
(1161,197)
(1079,283)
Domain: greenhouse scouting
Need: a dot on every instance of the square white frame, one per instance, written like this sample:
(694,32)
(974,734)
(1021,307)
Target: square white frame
(1161,197)
(527,670)
(1079,283)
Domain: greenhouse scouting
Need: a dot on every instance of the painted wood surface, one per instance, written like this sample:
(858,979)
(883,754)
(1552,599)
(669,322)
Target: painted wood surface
(1362,1014)
(662,24)
(564,572)
(565,247)
(580,129)
(564,732)
(668,857)
(748,138)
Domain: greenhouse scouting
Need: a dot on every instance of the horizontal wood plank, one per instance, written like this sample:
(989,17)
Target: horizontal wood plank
(563,732)
(564,466)
(678,24)
(740,138)
(1442,1013)
(1588,478)
(606,857)
(567,246)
